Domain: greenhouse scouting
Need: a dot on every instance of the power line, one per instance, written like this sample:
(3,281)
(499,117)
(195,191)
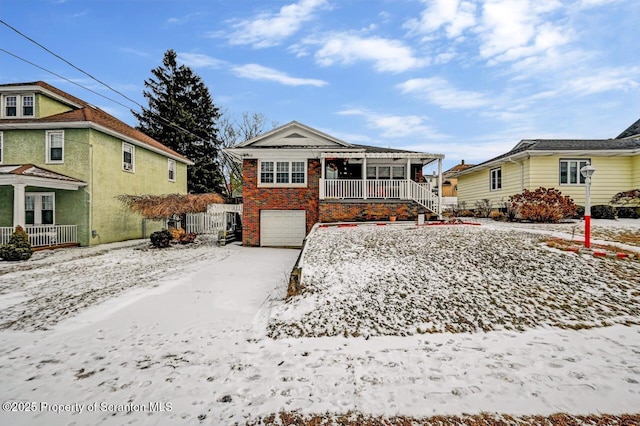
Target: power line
(69,63)
(63,78)
(157,116)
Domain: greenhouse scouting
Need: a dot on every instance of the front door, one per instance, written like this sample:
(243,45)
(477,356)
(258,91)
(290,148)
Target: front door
(39,208)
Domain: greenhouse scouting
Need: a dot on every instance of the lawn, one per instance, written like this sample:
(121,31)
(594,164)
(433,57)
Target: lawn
(403,280)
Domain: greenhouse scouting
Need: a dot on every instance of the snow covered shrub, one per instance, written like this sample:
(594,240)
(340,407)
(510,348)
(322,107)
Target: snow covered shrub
(627,203)
(18,247)
(161,239)
(543,205)
(603,212)
(484,207)
(465,213)
(176,233)
(187,238)
(499,216)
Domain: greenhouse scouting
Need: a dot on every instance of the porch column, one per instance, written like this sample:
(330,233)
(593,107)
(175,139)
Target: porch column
(439,188)
(18,204)
(364,178)
(407,175)
(322,177)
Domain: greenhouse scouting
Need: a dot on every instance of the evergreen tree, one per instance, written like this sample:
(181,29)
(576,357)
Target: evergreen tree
(182,116)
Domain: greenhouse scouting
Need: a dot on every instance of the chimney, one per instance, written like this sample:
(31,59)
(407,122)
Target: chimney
(463,162)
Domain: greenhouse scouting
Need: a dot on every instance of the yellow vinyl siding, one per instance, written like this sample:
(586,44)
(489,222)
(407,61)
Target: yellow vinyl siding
(611,173)
(477,186)
(635,166)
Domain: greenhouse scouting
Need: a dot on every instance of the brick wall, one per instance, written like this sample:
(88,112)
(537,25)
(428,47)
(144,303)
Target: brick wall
(256,199)
(332,211)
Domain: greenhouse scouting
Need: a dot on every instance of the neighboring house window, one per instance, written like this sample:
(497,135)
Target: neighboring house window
(128,157)
(27,106)
(55,146)
(11,106)
(570,171)
(282,173)
(39,208)
(496,179)
(18,106)
(172,170)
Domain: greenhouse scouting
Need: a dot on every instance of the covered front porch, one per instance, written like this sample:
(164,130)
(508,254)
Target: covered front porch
(396,175)
(42,202)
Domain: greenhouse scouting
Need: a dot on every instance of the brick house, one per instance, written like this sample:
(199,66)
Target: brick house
(295,176)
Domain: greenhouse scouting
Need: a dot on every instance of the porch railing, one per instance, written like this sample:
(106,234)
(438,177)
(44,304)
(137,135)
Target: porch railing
(44,235)
(403,189)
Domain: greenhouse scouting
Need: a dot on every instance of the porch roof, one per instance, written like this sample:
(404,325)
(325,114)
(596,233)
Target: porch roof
(31,175)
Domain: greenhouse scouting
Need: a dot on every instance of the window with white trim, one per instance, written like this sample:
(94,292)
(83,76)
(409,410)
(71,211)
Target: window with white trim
(55,146)
(570,171)
(11,106)
(1,147)
(128,157)
(172,170)
(495,179)
(386,172)
(39,208)
(283,173)
(27,106)
(18,106)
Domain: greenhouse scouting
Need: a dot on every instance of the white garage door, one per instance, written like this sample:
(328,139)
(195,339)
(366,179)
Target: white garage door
(282,228)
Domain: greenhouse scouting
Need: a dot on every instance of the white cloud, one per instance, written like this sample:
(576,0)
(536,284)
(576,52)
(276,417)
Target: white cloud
(454,16)
(387,55)
(439,91)
(606,80)
(268,30)
(259,72)
(198,60)
(516,29)
(396,126)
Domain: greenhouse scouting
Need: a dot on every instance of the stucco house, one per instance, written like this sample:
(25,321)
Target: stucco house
(63,162)
(295,176)
(556,163)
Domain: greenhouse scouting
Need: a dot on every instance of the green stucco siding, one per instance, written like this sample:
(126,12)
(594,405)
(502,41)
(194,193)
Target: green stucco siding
(95,158)
(29,147)
(6,206)
(46,106)
(115,222)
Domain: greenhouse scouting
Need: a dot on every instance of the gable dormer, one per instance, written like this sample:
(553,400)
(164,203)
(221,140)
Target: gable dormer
(33,101)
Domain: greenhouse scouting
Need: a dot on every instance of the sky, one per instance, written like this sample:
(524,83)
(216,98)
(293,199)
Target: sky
(463,78)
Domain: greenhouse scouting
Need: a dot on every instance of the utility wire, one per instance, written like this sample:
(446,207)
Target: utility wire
(63,78)
(69,63)
(157,116)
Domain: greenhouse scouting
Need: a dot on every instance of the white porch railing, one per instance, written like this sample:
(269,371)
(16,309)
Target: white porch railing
(44,235)
(403,189)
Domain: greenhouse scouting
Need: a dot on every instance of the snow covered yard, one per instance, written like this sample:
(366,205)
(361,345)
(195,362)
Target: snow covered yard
(57,284)
(185,340)
(402,280)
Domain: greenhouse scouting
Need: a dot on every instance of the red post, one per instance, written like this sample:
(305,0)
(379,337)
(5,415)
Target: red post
(587,231)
